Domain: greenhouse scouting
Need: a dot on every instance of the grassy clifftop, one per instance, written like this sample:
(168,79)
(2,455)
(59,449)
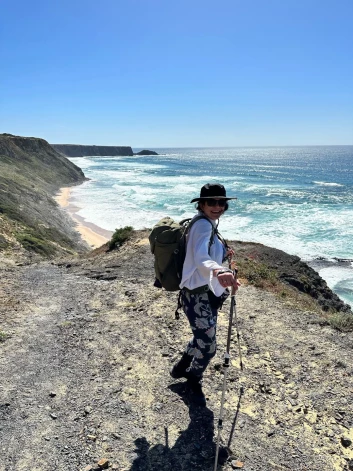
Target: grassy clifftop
(31,171)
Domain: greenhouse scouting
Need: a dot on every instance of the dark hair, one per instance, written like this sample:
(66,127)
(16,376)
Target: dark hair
(198,206)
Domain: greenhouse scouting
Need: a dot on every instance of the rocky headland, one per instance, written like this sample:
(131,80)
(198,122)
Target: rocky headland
(87,341)
(77,150)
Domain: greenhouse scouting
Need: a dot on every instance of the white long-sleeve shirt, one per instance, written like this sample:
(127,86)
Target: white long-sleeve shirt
(199,263)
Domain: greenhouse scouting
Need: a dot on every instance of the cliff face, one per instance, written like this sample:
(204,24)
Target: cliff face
(35,159)
(31,171)
(75,150)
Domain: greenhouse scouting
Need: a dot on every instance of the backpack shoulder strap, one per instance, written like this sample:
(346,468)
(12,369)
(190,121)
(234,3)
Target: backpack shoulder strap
(222,239)
(192,222)
(197,218)
(215,232)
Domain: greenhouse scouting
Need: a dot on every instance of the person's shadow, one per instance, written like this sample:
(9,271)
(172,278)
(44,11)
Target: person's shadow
(195,448)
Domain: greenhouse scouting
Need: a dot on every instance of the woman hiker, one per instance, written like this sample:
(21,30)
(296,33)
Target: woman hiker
(204,286)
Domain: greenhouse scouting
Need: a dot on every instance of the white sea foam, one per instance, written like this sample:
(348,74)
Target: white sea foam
(84,162)
(327,183)
(340,279)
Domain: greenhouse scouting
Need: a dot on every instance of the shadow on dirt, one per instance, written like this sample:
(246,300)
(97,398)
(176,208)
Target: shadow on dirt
(194,449)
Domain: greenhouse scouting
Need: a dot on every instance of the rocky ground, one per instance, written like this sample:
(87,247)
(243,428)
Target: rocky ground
(85,351)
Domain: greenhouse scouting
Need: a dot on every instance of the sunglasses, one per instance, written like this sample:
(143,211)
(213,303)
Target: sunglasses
(213,202)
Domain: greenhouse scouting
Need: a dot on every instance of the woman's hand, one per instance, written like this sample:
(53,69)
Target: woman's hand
(227,279)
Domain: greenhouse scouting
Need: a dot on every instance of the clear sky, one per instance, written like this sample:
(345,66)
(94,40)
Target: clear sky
(164,73)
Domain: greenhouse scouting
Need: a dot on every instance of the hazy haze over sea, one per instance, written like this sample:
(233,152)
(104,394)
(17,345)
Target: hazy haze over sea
(297,199)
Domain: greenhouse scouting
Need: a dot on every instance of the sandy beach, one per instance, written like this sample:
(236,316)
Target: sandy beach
(94,236)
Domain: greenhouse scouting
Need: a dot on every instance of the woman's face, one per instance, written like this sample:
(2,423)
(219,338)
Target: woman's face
(213,207)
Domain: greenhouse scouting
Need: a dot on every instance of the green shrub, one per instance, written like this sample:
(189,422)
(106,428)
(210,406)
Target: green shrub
(120,236)
(12,212)
(3,336)
(54,235)
(36,244)
(342,322)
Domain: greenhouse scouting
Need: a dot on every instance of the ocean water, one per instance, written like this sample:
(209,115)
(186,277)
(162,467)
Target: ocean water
(297,199)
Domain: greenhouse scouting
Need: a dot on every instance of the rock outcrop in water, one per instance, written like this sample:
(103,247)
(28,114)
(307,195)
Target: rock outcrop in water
(77,150)
(146,152)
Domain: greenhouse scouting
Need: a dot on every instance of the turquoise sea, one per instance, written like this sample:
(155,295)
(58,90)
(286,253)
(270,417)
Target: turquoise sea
(297,199)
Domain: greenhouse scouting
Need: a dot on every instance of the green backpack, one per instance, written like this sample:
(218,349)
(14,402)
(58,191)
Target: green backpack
(168,244)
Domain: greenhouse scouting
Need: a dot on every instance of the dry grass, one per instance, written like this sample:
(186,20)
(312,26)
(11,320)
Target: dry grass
(341,321)
(259,275)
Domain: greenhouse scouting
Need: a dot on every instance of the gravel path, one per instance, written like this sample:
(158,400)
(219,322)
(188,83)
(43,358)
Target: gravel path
(84,359)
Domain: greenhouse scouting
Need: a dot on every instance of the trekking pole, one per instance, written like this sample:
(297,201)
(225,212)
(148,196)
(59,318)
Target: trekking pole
(227,357)
(237,325)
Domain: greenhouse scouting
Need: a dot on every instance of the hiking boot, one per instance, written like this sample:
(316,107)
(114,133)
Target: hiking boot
(194,383)
(179,369)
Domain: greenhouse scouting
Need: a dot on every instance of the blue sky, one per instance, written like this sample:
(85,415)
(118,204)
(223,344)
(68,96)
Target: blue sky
(162,73)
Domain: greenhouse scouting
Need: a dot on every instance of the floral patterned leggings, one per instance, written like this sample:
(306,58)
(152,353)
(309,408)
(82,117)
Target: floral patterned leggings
(203,322)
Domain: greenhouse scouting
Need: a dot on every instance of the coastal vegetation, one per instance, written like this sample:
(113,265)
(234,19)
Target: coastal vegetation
(257,273)
(120,236)
(341,321)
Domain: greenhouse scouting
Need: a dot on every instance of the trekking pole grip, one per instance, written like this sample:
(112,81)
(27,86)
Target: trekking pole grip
(233,267)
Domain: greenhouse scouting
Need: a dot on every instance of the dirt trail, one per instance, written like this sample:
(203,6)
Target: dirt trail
(84,376)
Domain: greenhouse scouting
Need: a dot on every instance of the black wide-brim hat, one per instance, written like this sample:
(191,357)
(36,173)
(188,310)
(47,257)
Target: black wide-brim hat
(213,190)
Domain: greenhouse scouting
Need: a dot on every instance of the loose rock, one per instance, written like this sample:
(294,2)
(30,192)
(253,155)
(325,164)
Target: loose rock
(237,464)
(103,463)
(346,442)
